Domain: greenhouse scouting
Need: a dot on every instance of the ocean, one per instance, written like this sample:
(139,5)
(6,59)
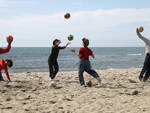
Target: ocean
(35,59)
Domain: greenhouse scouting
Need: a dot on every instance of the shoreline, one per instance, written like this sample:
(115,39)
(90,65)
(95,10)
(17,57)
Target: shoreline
(76,70)
(120,92)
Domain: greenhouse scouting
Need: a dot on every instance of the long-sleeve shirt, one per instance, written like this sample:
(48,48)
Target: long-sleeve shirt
(3,66)
(147,42)
(54,52)
(6,49)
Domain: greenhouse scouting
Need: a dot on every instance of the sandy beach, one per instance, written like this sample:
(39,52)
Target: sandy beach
(31,92)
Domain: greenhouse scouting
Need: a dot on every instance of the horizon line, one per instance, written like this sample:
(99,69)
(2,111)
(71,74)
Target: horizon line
(75,46)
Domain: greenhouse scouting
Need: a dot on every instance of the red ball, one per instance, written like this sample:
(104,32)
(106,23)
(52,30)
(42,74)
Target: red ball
(9,38)
(67,16)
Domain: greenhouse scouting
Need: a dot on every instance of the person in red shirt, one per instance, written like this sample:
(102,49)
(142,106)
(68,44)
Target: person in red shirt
(6,50)
(84,64)
(3,66)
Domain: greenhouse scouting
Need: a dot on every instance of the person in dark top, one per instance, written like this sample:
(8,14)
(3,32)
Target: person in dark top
(52,60)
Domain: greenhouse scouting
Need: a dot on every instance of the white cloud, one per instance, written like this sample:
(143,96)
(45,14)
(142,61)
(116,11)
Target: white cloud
(103,25)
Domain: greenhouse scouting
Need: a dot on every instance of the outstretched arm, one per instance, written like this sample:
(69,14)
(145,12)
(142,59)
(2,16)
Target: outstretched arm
(7,74)
(6,50)
(79,55)
(93,56)
(147,41)
(63,47)
(67,44)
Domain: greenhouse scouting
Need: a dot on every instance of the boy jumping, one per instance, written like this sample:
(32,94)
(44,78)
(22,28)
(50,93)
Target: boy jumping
(52,60)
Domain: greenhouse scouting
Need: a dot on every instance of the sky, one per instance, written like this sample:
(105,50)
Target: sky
(106,23)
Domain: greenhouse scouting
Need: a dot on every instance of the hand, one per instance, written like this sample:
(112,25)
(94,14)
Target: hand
(68,43)
(9,42)
(72,50)
(137,30)
(9,39)
(93,56)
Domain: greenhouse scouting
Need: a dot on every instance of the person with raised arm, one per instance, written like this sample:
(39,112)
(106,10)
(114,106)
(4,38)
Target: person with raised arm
(7,49)
(52,60)
(146,68)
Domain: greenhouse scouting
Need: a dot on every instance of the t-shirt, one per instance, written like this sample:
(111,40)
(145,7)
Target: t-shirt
(54,52)
(3,66)
(85,53)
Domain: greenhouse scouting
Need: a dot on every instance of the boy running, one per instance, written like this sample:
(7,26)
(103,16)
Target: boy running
(84,64)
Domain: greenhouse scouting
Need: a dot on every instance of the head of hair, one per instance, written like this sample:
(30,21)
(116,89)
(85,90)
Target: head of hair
(9,62)
(85,42)
(55,41)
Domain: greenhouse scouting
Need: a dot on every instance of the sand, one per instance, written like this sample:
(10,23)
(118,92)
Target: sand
(120,92)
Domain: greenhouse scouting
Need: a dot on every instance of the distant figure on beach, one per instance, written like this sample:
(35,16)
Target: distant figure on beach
(3,66)
(52,60)
(6,50)
(84,64)
(146,67)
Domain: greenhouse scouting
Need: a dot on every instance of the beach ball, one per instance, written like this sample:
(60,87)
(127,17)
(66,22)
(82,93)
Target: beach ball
(140,29)
(9,38)
(67,16)
(70,37)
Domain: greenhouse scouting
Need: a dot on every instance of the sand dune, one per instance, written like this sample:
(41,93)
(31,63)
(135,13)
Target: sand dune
(120,92)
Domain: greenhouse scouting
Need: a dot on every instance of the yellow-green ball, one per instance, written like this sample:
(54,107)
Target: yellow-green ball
(70,37)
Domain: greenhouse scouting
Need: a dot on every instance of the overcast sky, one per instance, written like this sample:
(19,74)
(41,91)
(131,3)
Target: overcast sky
(107,23)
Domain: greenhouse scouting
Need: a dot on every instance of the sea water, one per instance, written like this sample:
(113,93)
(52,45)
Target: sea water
(35,59)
